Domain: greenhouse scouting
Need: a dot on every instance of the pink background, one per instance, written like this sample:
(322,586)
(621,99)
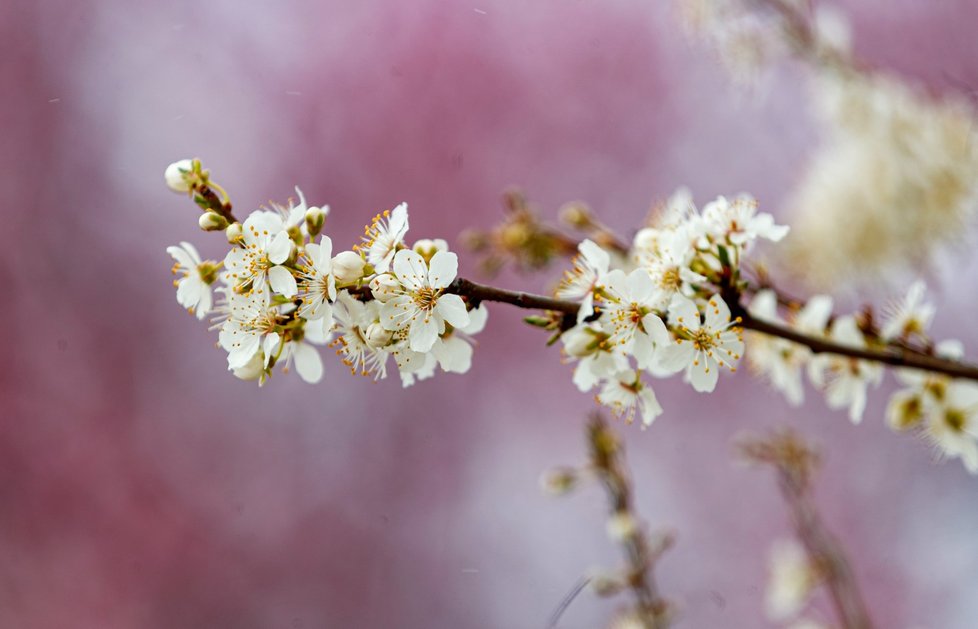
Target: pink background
(143,486)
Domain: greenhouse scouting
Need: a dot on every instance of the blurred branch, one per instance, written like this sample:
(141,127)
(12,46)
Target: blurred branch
(608,463)
(795,462)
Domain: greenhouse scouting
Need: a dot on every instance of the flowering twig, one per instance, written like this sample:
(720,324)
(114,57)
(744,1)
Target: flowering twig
(895,357)
(795,462)
(607,464)
(607,460)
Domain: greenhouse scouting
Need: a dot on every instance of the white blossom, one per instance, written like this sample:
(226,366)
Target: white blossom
(702,345)
(384,236)
(739,223)
(590,267)
(952,423)
(626,395)
(845,379)
(669,268)
(791,580)
(265,247)
(194,288)
(420,304)
(352,318)
(628,308)
(589,345)
(177,175)
(779,360)
(317,285)
(252,326)
(909,317)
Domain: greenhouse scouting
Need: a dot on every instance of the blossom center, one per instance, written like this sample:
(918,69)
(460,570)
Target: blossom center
(955,419)
(426,297)
(670,279)
(703,340)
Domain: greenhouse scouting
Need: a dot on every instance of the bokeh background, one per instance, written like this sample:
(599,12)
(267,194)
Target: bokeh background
(143,486)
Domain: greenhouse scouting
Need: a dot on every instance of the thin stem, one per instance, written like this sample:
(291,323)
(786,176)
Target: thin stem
(795,463)
(890,355)
(607,460)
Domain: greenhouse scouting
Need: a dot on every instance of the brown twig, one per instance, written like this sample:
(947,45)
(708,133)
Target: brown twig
(607,462)
(890,355)
(795,462)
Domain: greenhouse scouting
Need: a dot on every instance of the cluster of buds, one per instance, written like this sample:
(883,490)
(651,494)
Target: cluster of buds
(281,292)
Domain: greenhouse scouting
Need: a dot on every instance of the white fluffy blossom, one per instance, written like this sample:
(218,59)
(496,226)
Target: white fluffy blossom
(265,247)
(790,582)
(590,267)
(317,285)
(384,236)
(779,360)
(419,303)
(909,317)
(845,379)
(627,395)
(703,345)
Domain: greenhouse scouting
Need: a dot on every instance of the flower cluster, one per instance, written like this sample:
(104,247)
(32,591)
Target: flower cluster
(280,293)
(943,410)
(673,301)
(661,311)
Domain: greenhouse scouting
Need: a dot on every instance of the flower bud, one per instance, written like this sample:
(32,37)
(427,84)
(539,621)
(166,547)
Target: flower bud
(348,267)
(315,217)
(376,336)
(559,481)
(647,239)
(212,222)
(178,175)
(234,233)
(580,342)
(254,369)
(621,526)
(384,287)
(577,215)
(428,248)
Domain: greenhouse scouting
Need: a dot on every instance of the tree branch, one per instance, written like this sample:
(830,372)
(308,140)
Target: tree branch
(890,355)
(795,462)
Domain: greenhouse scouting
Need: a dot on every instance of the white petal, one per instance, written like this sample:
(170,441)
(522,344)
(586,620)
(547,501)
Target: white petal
(240,355)
(423,334)
(452,309)
(280,248)
(477,320)
(683,313)
(269,345)
(649,405)
(640,286)
(394,314)
(410,269)
(308,363)
(182,257)
(325,259)
(656,330)
(204,305)
(674,358)
(703,376)
(282,281)
(717,313)
(453,354)
(586,308)
(443,269)
(597,257)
